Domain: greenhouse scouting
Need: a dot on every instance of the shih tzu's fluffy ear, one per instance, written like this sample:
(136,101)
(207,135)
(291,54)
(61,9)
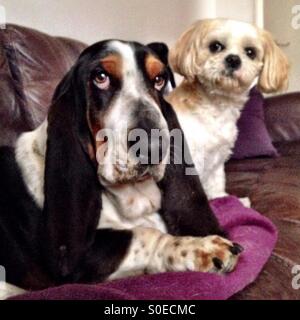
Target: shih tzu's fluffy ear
(184,57)
(274,75)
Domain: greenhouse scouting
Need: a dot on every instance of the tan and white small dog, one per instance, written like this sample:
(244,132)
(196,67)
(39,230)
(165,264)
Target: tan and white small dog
(221,60)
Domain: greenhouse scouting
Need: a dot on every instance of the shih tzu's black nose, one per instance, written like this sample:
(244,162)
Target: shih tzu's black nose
(233,62)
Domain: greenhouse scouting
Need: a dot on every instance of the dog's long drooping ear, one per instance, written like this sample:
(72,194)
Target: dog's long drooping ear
(274,75)
(185,207)
(72,191)
(162,51)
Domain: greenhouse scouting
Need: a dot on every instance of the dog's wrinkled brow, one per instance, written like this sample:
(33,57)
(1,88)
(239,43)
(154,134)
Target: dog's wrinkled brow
(112,64)
(154,67)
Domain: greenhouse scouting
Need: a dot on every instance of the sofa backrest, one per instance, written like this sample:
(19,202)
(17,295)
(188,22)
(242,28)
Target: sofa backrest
(31,65)
(282,117)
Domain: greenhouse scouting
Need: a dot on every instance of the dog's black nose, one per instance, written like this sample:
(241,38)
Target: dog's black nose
(233,62)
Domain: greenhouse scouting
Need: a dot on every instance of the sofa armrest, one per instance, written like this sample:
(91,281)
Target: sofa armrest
(31,65)
(282,117)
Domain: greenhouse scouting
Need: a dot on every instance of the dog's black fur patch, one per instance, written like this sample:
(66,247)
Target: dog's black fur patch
(20,222)
(162,50)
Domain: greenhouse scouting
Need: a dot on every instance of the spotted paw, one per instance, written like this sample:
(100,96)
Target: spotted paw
(209,254)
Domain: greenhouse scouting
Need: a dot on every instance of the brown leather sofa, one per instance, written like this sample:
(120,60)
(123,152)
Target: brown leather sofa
(31,65)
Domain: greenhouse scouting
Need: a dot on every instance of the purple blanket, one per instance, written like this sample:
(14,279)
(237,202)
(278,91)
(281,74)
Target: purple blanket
(254,232)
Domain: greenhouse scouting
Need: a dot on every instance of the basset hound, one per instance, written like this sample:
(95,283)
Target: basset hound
(75,207)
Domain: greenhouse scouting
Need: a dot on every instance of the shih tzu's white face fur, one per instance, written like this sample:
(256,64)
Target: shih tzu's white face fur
(221,60)
(228,55)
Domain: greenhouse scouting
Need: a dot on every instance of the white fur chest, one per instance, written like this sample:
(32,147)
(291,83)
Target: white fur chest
(30,155)
(211,133)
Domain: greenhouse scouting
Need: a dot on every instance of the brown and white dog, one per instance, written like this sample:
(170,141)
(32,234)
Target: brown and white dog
(221,60)
(75,207)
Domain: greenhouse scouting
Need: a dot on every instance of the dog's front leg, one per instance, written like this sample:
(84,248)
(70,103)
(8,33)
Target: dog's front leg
(151,251)
(215,185)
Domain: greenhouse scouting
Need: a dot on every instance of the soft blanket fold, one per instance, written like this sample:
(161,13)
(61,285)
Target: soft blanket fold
(245,226)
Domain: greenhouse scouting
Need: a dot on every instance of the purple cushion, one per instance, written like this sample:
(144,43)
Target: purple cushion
(253,231)
(253,138)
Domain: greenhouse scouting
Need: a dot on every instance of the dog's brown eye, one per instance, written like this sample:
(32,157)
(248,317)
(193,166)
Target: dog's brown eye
(102,81)
(251,53)
(159,82)
(216,46)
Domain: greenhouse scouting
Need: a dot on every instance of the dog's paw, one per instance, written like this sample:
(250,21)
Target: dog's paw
(209,254)
(246,202)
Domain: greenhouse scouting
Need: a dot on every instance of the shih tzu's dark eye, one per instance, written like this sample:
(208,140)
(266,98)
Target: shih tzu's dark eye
(251,52)
(102,80)
(216,46)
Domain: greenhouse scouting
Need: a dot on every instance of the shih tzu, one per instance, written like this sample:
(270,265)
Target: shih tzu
(221,60)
